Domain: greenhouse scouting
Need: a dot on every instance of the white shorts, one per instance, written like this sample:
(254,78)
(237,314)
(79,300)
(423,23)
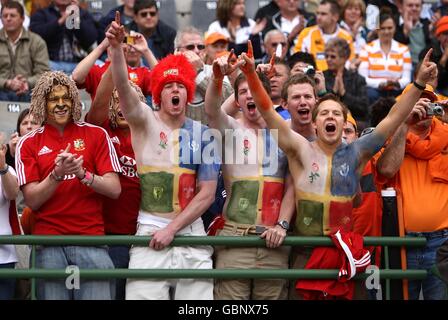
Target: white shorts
(197,257)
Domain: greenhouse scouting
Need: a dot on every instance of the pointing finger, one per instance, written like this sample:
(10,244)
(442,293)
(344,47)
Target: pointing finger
(271,62)
(250,49)
(229,58)
(117,17)
(427,56)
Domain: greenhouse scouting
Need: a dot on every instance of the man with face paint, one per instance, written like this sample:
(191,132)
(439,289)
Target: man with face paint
(120,215)
(178,183)
(326,172)
(255,186)
(64,169)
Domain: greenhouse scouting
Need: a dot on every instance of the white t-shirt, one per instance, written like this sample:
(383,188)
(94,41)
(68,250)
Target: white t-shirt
(7,251)
(288,25)
(242,33)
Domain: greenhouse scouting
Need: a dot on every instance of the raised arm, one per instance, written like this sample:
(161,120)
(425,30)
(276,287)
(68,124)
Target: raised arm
(99,110)
(81,71)
(390,161)
(401,110)
(230,108)
(288,142)
(130,104)
(141,46)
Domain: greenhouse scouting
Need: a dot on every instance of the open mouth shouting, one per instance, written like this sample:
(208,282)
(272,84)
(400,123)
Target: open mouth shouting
(251,108)
(303,112)
(175,101)
(330,128)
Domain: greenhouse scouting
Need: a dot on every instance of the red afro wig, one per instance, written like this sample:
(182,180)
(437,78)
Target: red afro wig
(173,68)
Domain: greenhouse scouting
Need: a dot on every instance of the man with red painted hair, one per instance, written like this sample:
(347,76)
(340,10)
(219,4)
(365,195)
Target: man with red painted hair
(178,184)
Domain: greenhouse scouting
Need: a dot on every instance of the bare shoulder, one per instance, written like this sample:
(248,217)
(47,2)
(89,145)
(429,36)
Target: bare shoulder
(300,146)
(146,116)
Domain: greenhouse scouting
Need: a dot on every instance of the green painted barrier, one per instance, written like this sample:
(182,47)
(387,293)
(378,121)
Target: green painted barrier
(248,241)
(202,274)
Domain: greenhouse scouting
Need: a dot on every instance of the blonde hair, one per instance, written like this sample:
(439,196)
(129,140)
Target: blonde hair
(355,3)
(43,87)
(115,100)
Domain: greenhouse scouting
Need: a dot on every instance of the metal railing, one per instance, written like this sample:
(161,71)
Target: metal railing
(249,241)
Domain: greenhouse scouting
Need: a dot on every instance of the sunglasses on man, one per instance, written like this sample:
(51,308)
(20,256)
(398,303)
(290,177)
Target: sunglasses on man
(192,46)
(275,44)
(144,14)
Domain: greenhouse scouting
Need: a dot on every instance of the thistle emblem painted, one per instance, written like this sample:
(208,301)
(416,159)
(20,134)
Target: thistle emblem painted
(163,140)
(344,169)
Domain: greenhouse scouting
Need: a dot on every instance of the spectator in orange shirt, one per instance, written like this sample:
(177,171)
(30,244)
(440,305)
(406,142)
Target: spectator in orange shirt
(416,163)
